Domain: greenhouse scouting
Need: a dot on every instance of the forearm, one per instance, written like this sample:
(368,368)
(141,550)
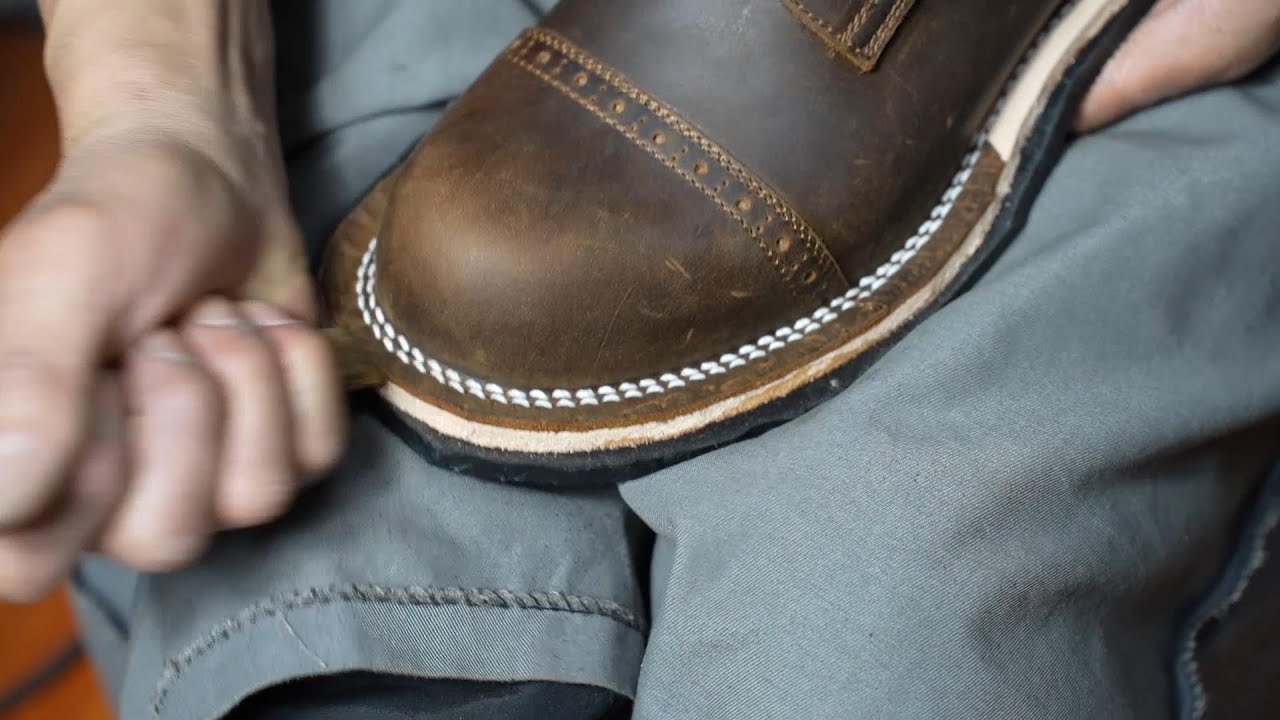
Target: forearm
(191,63)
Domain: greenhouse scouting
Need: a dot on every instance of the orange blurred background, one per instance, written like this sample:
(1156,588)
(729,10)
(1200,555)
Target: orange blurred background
(31,636)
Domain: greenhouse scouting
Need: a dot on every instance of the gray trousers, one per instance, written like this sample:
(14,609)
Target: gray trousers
(1050,500)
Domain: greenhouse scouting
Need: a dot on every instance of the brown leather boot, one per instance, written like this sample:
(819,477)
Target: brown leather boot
(654,226)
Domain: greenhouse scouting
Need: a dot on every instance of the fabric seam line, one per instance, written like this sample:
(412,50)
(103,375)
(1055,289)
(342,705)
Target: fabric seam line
(1258,529)
(360,594)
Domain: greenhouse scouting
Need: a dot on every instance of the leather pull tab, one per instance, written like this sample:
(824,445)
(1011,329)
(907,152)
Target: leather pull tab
(859,30)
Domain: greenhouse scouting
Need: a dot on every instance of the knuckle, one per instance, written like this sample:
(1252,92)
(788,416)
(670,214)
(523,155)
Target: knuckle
(239,354)
(1231,68)
(25,591)
(159,534)
(162,371)
(324,455)
(320,453)
(63,218)
(26,577)
(154,550)
(38,391)
(58,226)
(305,348)
(259,501)
(99,485)
(250,360)
(320,422)
(184,392)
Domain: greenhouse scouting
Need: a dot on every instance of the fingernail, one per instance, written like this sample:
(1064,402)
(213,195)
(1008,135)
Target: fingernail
(164,346)
(217,312)
(266,315)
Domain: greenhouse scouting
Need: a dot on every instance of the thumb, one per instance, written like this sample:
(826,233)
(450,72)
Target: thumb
(54,318)
(1182,46)
(280,275)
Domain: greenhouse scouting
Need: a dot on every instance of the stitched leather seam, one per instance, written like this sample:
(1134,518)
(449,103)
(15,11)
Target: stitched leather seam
(876,45)
(635,138)
(863,15)
(815,249)
(866,55)
(810,238)
(547,601)
(823,24)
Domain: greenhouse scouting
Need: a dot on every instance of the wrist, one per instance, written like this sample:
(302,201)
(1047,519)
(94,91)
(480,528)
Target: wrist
(188,65)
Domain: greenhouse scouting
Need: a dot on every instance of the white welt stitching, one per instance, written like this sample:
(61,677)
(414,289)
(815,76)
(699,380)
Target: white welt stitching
(398,345)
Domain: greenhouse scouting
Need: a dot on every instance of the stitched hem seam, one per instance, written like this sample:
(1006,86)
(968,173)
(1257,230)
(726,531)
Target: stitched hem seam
(1239,571)
(548,601)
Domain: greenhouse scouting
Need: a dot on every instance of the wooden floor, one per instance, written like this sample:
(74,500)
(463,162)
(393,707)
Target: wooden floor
(32,635)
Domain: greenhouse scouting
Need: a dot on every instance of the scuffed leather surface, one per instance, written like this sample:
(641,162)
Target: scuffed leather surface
(560,248)
(531,243)
(861,156)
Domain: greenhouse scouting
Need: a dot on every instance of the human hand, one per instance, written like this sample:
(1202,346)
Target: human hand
(1182,46)
(140,411)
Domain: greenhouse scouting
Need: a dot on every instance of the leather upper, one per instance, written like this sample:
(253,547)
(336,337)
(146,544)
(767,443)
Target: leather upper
(645,183)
